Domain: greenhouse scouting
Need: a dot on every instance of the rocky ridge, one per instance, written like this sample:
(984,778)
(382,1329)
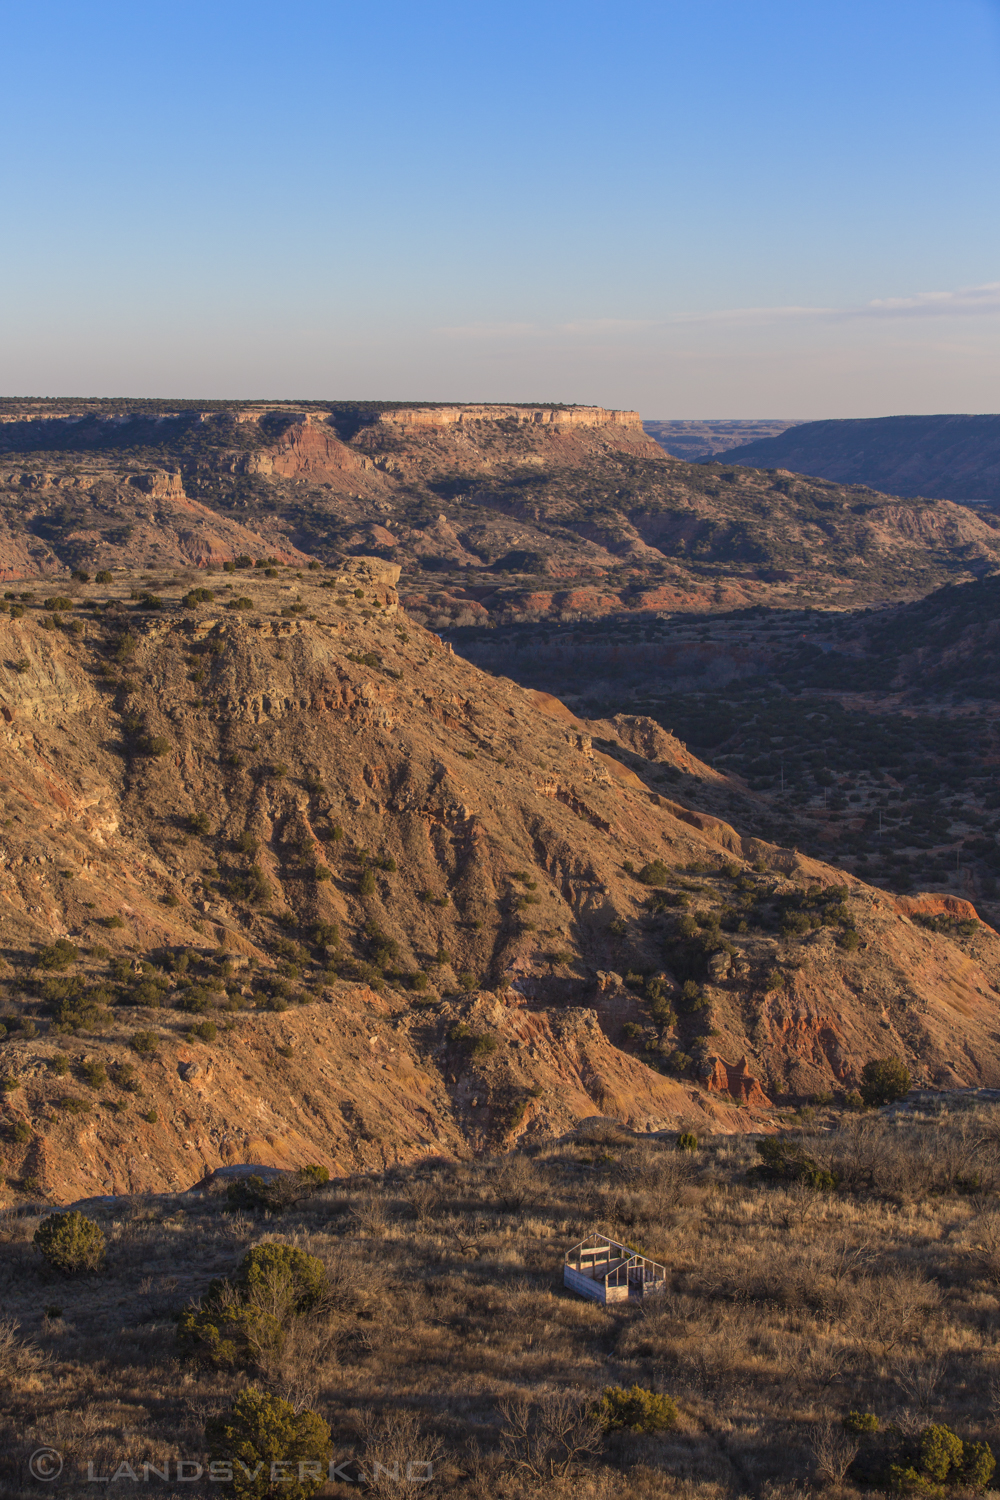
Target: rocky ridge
(370,902)
(494,513)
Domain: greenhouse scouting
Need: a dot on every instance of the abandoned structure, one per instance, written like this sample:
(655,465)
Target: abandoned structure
(605,1271)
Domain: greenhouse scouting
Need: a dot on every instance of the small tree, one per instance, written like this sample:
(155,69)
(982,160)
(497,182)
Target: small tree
(273,1449)
(71,1243)
(884,1080)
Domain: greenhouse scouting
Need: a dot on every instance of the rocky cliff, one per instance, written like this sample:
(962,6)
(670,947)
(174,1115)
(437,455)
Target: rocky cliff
(281,876)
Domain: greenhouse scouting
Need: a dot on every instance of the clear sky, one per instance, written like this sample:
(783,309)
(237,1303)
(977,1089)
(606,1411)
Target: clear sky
(728,208)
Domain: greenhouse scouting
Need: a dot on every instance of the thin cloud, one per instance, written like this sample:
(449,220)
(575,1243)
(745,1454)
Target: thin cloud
(977,301)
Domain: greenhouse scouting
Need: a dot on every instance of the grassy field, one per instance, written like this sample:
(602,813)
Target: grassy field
(445,1336)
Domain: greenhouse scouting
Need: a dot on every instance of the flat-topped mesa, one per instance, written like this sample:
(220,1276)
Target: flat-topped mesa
(524,416)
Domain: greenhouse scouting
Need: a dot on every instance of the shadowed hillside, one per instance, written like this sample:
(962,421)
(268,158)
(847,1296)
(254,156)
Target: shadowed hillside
(954,457)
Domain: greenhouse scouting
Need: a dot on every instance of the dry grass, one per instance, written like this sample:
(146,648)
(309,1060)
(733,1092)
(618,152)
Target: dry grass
(447,1337)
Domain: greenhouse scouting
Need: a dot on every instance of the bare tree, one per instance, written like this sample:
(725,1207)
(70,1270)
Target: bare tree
(834,1451)
(551,1438)
(398,1458)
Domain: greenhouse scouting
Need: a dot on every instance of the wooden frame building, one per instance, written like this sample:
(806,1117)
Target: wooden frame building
(606,1271)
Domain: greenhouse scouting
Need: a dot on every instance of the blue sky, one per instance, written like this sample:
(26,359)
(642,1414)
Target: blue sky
(710,208)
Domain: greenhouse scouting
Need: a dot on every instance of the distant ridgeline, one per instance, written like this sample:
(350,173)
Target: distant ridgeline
(942,458)
(81,425)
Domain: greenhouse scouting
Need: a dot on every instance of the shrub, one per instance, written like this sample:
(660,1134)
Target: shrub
(472,1043)
(103,576)
(71,1243)
(860,1422)
(252,1194)
(126,1078)
(654,873)
(784,1161)
(883,1081)
(244,1322)
(114,921)
(304,1274)
(22,665)
(94,1074)
(199,823)
(20,1132)
(60,1065)
(260,1431)
(366,885)
(153,745)
(241,603)
(59,955)
(144,1043)
(687,1141)
(938,1456)
(74,1106)
(58,602)
(635,1410)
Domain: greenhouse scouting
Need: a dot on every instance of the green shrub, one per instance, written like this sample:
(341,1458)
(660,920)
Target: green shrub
(937,1456)
(260,1431)
(20,1132)
(472,1043)
(687,1141)
(144,1043)
(304,1274)
(978,1465)
(74,1106)
(94,1074)
(654,873)
(940,1451)
(71,1243)
(243,1322)
(153,745)
(861,1422)
(366,885)
(126,1078)
(199,823)
(114,921)
(635,1410)
(60,1065)
(883,1081)
(103,576)
(59,955)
